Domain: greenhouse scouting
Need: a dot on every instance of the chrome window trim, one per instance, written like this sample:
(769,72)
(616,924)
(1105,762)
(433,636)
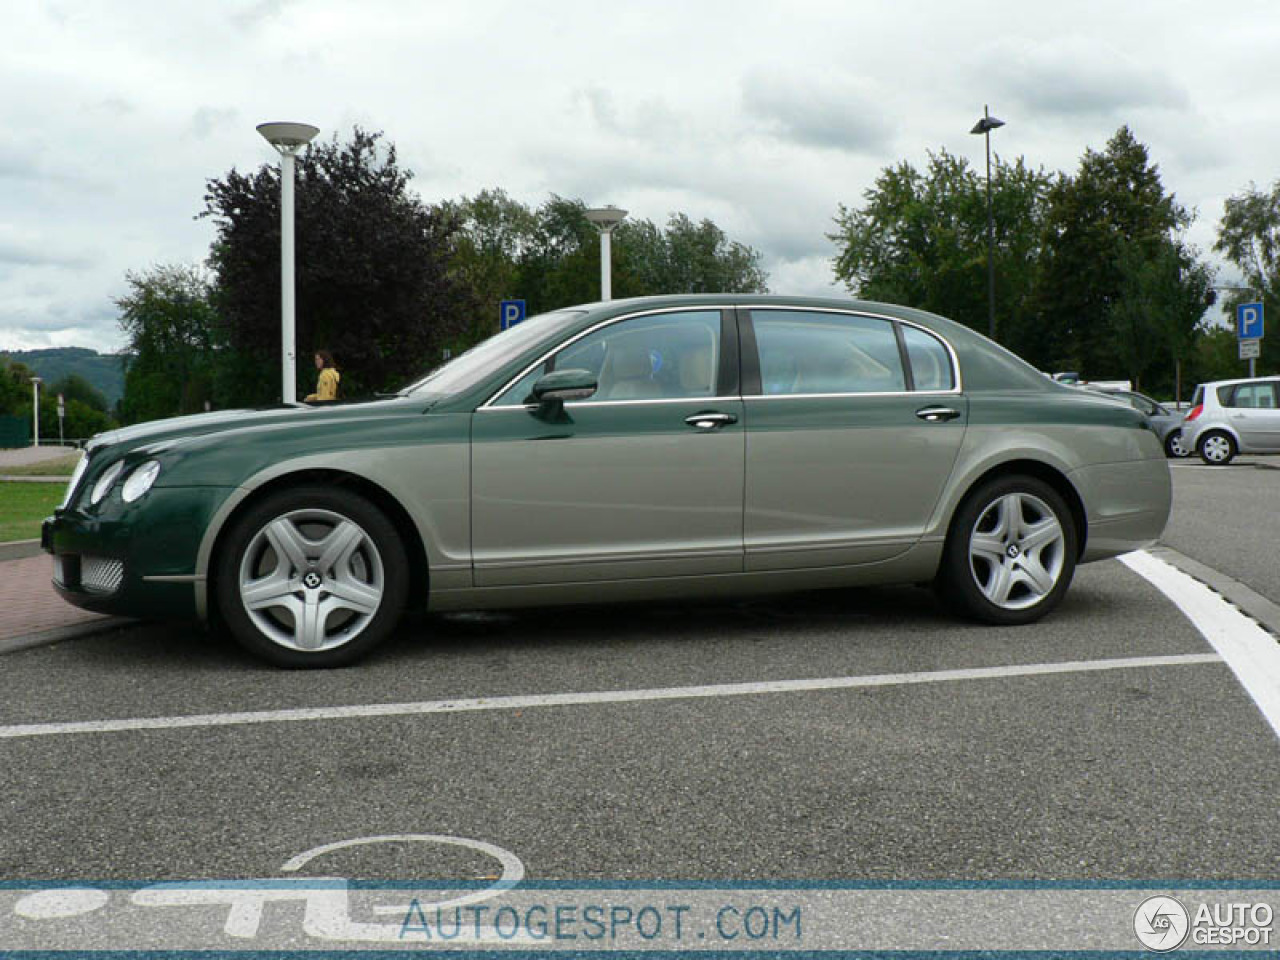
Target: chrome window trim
(574,404)
(700,308)
(951,353)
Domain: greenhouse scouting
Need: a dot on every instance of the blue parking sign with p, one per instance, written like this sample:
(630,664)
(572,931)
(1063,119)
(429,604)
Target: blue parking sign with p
(1249,321)
(510,312)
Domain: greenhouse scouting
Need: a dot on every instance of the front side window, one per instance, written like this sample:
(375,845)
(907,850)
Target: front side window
(665,356)
(804,352)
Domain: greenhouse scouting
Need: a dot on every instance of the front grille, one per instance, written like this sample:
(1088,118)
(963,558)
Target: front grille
(100,575)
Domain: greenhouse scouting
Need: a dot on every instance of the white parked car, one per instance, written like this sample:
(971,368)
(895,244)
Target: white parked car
(1233,416)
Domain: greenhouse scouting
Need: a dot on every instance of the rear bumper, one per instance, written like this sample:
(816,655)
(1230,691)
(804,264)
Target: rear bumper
(1127,505)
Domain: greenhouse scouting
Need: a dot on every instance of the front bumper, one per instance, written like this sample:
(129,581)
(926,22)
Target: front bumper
(134,560)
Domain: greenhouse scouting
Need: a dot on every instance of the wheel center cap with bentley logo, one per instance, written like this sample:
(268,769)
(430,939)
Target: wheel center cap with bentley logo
(1013,551)
(312,580)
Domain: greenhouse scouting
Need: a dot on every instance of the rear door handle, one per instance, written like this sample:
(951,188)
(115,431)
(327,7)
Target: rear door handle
(937,414)
(711,420)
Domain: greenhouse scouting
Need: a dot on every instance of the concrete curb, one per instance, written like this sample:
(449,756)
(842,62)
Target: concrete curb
(73,632)
(19,549)
(1266,612)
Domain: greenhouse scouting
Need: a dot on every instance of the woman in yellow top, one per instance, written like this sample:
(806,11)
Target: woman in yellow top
(327,385)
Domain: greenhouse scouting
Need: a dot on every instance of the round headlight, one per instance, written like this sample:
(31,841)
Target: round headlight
(140,481)
(105,482)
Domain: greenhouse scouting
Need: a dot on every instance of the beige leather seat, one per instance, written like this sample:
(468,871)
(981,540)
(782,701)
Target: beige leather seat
(626,374)
(697,373)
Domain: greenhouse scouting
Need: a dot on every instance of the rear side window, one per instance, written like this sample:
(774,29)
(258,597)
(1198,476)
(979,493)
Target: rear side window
(930,362)
(809,352)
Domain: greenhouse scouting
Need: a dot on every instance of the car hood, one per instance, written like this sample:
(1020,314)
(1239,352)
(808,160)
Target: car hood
(159,434)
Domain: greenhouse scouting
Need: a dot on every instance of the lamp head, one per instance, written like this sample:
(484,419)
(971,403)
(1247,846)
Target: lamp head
(986,125)
(605,218)
(288,137)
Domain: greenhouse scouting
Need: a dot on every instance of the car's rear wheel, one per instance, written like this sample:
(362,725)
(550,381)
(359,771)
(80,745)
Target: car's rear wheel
(1174,447)
(1011,552)
(1217,448)
(312,577)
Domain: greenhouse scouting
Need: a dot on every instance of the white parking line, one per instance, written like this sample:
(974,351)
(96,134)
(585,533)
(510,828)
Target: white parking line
(597,697)
(1250,651)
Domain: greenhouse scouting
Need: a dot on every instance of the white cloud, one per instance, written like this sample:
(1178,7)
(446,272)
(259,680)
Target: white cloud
(761,115)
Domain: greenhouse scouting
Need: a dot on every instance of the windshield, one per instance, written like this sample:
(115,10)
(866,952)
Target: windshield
(489,355)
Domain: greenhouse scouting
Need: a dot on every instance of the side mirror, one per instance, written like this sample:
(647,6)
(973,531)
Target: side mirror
(564,385)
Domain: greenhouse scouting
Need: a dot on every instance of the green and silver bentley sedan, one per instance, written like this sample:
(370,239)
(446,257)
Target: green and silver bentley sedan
(673,446)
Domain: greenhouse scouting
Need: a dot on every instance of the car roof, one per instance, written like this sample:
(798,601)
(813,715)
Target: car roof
(1271,378)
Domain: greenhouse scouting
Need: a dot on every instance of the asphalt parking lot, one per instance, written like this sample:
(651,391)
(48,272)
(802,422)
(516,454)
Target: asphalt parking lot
(852,737)
(1156,768)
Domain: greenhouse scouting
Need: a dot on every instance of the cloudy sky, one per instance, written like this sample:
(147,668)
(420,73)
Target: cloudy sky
(763,116)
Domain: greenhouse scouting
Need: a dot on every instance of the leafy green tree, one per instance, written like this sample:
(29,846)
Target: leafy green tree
(74,387)
(375,284)
(685,257)
(173,332)
(550,257)
(920,238)
(1249,237)
(1160,305)
(15,387)
(1112,215)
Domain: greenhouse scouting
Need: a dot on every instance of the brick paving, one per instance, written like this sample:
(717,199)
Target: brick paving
(28,602)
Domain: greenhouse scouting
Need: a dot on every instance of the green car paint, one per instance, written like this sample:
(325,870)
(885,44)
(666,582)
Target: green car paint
(598,500)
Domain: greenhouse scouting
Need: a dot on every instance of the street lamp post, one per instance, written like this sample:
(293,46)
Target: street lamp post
(288,139)
(605,220)
(35,409)
(984,127)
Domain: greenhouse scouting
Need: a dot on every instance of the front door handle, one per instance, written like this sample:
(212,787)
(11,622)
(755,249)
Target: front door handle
(937,414)
(710,420)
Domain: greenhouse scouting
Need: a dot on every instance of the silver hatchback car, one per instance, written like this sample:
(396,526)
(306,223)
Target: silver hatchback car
(1233,416)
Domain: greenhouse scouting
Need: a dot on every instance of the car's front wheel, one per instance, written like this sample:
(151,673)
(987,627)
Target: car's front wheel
(1174,447)
(1011,552)
(1217,448)
(312,577)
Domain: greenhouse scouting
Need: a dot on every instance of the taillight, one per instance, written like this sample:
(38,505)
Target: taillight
(1195,412)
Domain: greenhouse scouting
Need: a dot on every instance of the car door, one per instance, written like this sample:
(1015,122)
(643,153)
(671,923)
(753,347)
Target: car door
(642,479)
(853,425)
(1255,415)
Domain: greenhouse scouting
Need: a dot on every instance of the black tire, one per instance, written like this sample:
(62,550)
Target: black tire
(1173,447)
(340,565)
(1217,448)
(1038,559)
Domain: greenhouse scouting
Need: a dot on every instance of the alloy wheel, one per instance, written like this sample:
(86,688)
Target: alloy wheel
(1016,551)
(311,580)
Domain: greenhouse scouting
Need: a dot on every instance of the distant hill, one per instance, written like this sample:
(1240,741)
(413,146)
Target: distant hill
(104,370)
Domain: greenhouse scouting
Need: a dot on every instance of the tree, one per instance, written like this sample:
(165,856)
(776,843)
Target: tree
(74,387)
(1249,237)
(550,257)
(15,387)
(173,332)
(920,239)
(1160,303)
(1114,213)
(686,257)
(375,284)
